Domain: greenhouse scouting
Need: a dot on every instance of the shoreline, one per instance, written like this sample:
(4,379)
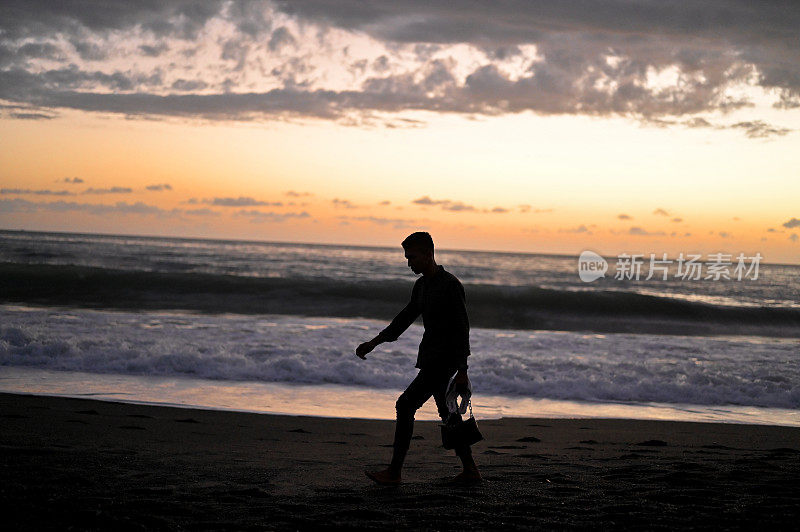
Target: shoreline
(97,464)
(355,402)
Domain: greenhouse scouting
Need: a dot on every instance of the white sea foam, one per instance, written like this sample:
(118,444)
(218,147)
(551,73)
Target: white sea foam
(630,368)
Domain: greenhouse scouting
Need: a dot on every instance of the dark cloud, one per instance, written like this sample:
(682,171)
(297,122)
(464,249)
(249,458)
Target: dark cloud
(31,116)
(241,201)
(11,55)
(624,217)
(90,51)
(171,18)
(591,59)
(758,129)
(72,180)
(112,190)
(187,85)
(280,37)
(791,224)
(159,187)
(39,192)
(153,50)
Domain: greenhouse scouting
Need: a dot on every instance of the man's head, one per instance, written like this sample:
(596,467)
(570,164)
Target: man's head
(418,248)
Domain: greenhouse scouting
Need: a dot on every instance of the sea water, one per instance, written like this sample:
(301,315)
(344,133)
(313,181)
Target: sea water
(272,327)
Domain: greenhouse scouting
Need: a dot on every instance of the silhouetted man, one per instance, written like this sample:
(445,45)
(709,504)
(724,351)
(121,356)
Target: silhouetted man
(443,351)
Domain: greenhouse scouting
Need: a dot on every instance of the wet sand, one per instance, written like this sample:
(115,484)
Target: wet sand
(82,464)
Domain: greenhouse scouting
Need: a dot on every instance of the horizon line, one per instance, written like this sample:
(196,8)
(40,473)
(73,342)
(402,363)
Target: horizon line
(386,246)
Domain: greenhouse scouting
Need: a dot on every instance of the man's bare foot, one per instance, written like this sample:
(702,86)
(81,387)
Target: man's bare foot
(466,477)
(386,477)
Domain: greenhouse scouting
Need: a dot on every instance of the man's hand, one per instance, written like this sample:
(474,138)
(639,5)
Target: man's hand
(461,381)
(363,349)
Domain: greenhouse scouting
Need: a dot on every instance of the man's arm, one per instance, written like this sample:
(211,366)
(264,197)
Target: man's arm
(460,324)
(399,324)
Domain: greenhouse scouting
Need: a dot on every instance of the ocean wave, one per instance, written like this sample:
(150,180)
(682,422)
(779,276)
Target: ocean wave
(630,368)
(492,305)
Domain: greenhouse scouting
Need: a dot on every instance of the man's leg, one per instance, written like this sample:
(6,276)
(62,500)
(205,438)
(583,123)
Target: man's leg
(411,400)
(470,472)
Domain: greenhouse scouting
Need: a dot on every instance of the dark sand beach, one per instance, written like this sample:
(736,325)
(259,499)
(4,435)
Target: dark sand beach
(83,464)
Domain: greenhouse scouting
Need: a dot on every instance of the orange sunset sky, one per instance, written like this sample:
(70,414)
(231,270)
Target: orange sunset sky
(640,127)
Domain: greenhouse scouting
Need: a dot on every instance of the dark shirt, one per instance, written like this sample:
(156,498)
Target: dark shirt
(441,301)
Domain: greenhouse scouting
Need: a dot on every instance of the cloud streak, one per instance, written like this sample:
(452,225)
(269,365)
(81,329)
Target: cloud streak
(241,201)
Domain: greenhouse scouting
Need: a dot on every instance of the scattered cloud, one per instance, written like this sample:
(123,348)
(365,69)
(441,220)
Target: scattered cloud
(638,231)
(624,217)
(385,202)
(579,229)
(72,180)
(269,217)
(660,212)
(345,204)
(201,212)
(112,190)
(759,129)
(121,207)
(295,194)
(677,220)
(241,201)
(724,234)
(793,237)
(158,188)
(38,192)
(396,223)
(791,224)
(448,205)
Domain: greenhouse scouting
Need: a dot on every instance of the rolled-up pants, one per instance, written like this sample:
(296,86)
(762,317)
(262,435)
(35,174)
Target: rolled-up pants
(427,382)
